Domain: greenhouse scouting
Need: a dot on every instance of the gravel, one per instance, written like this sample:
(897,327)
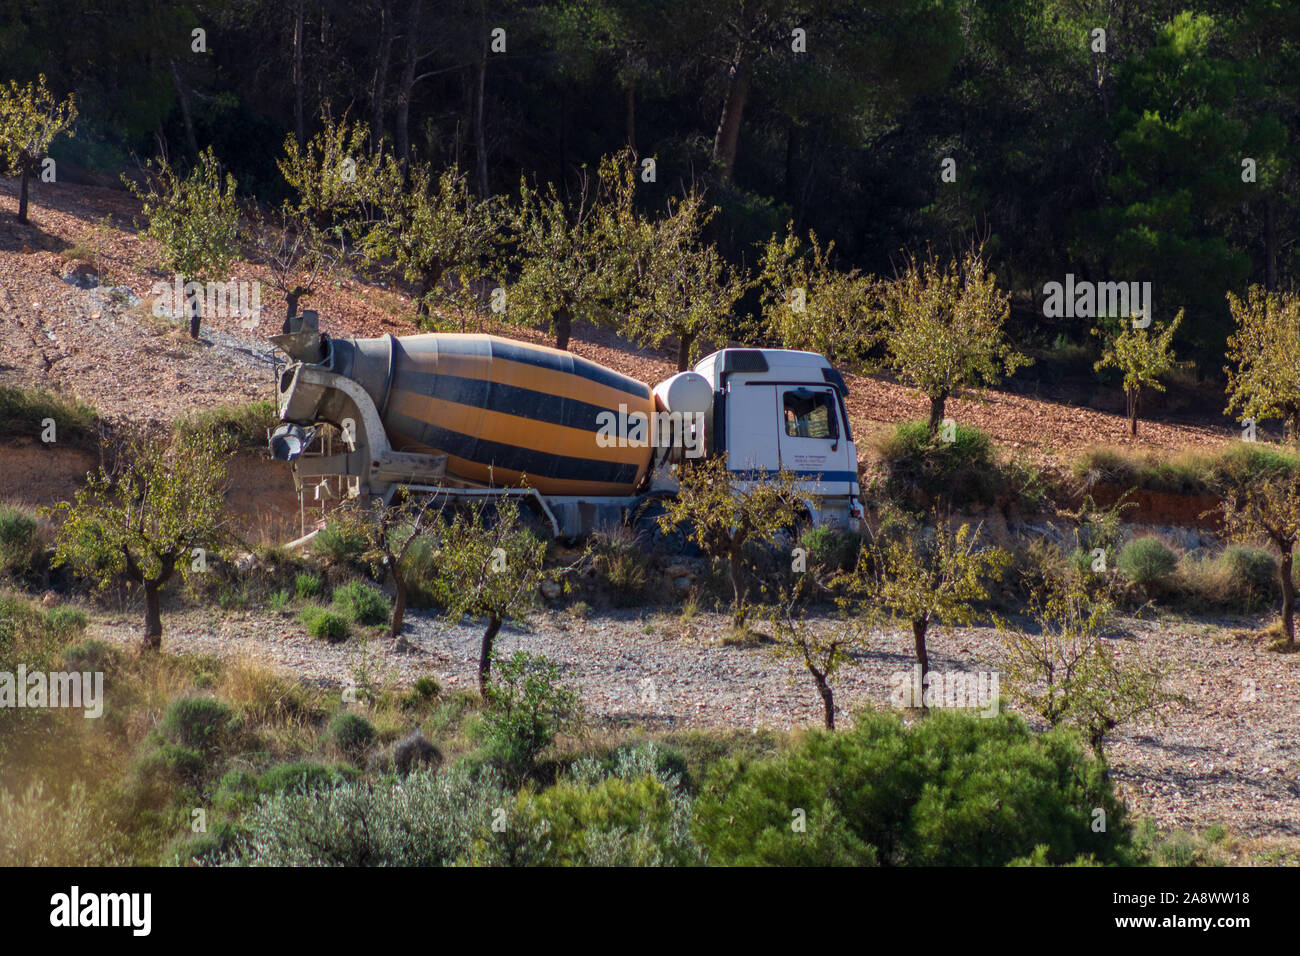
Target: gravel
(1229,757)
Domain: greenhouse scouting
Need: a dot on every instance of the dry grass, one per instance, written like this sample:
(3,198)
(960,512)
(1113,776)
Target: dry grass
(274,529)
(172,332)
(265,697)
(1190,472)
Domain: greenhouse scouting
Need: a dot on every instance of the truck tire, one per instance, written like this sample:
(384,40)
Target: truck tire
(645,521)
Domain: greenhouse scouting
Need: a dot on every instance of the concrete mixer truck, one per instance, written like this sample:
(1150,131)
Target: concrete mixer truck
(474,416)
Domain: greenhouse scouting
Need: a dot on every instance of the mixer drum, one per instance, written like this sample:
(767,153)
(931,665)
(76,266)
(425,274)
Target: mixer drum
(504,412)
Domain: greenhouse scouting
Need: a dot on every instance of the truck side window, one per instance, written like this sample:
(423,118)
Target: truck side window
(810,414)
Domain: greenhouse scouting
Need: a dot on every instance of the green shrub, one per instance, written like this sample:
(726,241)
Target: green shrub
(1084,560)
(66,620)
(616,821)
(961,472)
(1034,563)
(306,585)
(361,603)
(325,625)
(619,557)
(951,790)
(630,815)
(413,752)
(297,776)
(37,829)
(831,548)
(232,598)
(93,655)
(426,819)
(237,791)
(26,637)
(423,692)
(421,568)
(202,723)
(196,849)
(1251,571)
(1188,474)
(24,410)
(1246,463)
(526,707)
(339,544)
(1147,562)
(1181,848)
(351,733)
(1029,484)
(1147,472)
(20,543)
(246,425)
(701,750)
(163,767)
(663,761)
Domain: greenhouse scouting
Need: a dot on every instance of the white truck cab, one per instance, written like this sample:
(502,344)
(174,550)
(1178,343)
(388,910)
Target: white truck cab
(779,409)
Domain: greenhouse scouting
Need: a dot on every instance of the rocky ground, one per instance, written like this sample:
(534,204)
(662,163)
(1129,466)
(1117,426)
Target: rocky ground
(1229,756)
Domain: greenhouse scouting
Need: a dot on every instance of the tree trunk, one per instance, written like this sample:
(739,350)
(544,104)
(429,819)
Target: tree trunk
(422,303)
(828,698)
(480,137)
(380,85)
(791,158)
(684,344)
(737,587)
(399,605)
(1134,400)
(733,109)
(22,196)
(183,97)
(936,412)
(563,328)
(629,113)
(485,653)
(291,306)
(922,656)
(152,618)
(299,126)
(1288,593)
(403,119)
(801,207)
(564,139)
(432,276)
(196,317)
(1270,245)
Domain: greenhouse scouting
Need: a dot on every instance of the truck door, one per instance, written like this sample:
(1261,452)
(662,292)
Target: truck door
(812,439)
(751,426)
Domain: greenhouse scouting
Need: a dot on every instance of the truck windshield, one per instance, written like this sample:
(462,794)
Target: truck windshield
(809,414)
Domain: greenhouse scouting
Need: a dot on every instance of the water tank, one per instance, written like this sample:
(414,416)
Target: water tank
(501,410)
(686,392)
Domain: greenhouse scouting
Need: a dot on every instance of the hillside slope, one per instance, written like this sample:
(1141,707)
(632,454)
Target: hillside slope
(109,351)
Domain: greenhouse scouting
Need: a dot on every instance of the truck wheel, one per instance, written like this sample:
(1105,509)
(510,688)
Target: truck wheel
(677,541)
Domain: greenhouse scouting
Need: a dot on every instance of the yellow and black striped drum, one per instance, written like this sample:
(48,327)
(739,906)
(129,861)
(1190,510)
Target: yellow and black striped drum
(503,412)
